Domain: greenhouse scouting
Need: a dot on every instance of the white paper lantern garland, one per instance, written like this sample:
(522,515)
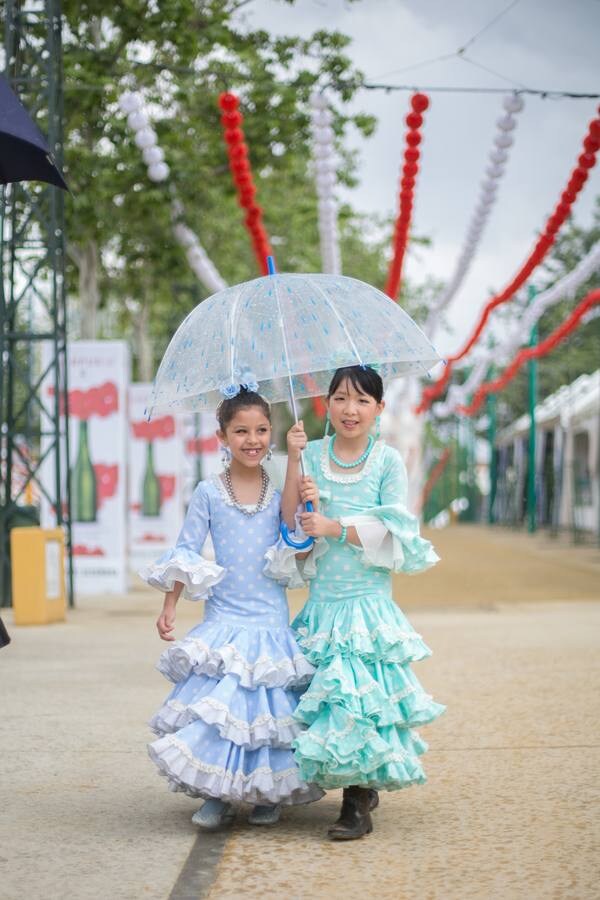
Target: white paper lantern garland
(503,140)
(566,287)
(325,179)
(132,104)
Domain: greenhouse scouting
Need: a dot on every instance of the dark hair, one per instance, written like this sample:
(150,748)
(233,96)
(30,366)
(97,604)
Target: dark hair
(227,409)
(364,379)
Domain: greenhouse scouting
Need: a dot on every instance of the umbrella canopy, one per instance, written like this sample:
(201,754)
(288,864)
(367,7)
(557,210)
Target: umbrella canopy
(261,332)
(24,153)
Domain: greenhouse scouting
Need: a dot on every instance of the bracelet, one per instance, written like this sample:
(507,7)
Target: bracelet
(342,537)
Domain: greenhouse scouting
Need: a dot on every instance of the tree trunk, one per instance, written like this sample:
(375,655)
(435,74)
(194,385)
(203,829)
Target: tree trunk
(86,259)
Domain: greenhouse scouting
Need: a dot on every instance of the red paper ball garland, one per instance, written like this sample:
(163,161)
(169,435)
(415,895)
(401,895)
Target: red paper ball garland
(414,120)
(568,197)
(241,171)
(542,349)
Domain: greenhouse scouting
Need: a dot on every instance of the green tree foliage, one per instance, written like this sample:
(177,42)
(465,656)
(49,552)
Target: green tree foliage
(182,54)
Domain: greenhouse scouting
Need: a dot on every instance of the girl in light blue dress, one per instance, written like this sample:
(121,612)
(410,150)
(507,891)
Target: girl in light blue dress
(226,729)
(361,708)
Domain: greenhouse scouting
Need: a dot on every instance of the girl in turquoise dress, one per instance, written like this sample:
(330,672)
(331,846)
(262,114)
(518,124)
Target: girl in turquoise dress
(364,701)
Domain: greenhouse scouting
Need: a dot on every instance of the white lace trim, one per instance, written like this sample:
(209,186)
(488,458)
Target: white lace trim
(363,632)
(343,477)
(324,741)
(251,507)
(285,663)
(361,692)
(263,719)
(219,770)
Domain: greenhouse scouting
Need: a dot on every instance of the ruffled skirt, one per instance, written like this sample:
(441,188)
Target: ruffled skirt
(227,727)
(364,701)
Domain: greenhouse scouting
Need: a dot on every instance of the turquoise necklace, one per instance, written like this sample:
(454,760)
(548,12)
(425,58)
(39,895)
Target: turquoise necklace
(355,462)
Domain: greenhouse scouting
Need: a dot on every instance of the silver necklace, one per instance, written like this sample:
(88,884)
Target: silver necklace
(261,499)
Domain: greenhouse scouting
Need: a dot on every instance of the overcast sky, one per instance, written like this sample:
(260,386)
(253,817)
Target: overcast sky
(548,44)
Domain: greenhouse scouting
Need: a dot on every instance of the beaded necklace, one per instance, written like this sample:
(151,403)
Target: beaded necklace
(355,462)
(262,497)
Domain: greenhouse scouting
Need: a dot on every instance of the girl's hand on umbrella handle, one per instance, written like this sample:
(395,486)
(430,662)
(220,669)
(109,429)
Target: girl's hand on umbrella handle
(309,492)
(296,441)
(316,525)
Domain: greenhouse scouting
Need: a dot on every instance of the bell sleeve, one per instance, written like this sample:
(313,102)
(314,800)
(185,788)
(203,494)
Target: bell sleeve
(184,561)
(389,533)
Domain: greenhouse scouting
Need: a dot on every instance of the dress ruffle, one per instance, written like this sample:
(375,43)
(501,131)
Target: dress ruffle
(283,565)
(195,572)
(263,775)
(401,549)
(258,656)
(262,717)
(227,727)
(364,700)
(363,626)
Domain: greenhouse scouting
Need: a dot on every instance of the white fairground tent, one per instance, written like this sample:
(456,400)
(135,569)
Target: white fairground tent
(567,459)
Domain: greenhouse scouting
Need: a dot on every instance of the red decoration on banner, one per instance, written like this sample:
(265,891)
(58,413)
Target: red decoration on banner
(167,487)
(233,134)
(164,427)
(568,197)
(198,445)
(107,479)
(523,356)
(96,401)
(414,120)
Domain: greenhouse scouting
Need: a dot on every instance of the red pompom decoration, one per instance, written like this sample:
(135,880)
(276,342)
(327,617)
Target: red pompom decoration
(419,102)
(413,138)
(410,168)
(231,119)
(228,102)
(594,129)
(239,151)
(591,144)
(411,154)
(233,135)
(414,120)
(587,160)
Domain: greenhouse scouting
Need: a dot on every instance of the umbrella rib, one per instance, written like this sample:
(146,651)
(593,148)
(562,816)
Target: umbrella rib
(340,320)
(232,313)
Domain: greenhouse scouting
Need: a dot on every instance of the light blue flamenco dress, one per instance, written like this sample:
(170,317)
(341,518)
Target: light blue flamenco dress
(227,727)
(364,702)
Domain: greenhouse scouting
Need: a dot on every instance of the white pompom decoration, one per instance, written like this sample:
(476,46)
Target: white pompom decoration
(158,172)
(487,197)
(144,138)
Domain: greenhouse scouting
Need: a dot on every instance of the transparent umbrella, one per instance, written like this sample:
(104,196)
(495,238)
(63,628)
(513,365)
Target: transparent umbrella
(285,335)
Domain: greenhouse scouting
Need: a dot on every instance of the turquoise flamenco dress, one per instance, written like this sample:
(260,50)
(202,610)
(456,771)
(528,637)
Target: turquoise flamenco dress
(364,701)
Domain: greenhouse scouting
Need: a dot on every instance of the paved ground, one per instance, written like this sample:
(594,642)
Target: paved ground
(511,809)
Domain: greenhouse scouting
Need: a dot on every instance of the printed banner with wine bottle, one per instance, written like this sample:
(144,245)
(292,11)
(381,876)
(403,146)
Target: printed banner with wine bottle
(155,479)
(98,376)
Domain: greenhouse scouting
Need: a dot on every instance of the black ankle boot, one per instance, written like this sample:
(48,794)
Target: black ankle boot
(354,820)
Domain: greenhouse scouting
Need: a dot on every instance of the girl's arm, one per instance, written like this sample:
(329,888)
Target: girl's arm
(166,620)
(290,496)
(317,525)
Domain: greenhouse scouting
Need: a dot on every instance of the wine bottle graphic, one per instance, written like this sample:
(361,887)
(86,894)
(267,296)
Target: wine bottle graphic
(151,486)
(83,480)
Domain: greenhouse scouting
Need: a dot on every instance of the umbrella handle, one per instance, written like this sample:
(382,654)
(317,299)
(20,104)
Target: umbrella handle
(289,539)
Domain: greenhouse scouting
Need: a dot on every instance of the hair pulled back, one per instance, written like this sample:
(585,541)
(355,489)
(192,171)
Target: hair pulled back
(228,408)
(363,379)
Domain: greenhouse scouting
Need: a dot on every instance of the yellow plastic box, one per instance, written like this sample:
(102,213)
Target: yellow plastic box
(38,575)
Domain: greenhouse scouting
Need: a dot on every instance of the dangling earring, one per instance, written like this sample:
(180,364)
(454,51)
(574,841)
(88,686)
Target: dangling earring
(225,456)
(377,428)
(269,455)
(327,424)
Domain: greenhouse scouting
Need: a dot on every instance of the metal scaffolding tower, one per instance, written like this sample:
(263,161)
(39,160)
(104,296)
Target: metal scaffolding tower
(34,446)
